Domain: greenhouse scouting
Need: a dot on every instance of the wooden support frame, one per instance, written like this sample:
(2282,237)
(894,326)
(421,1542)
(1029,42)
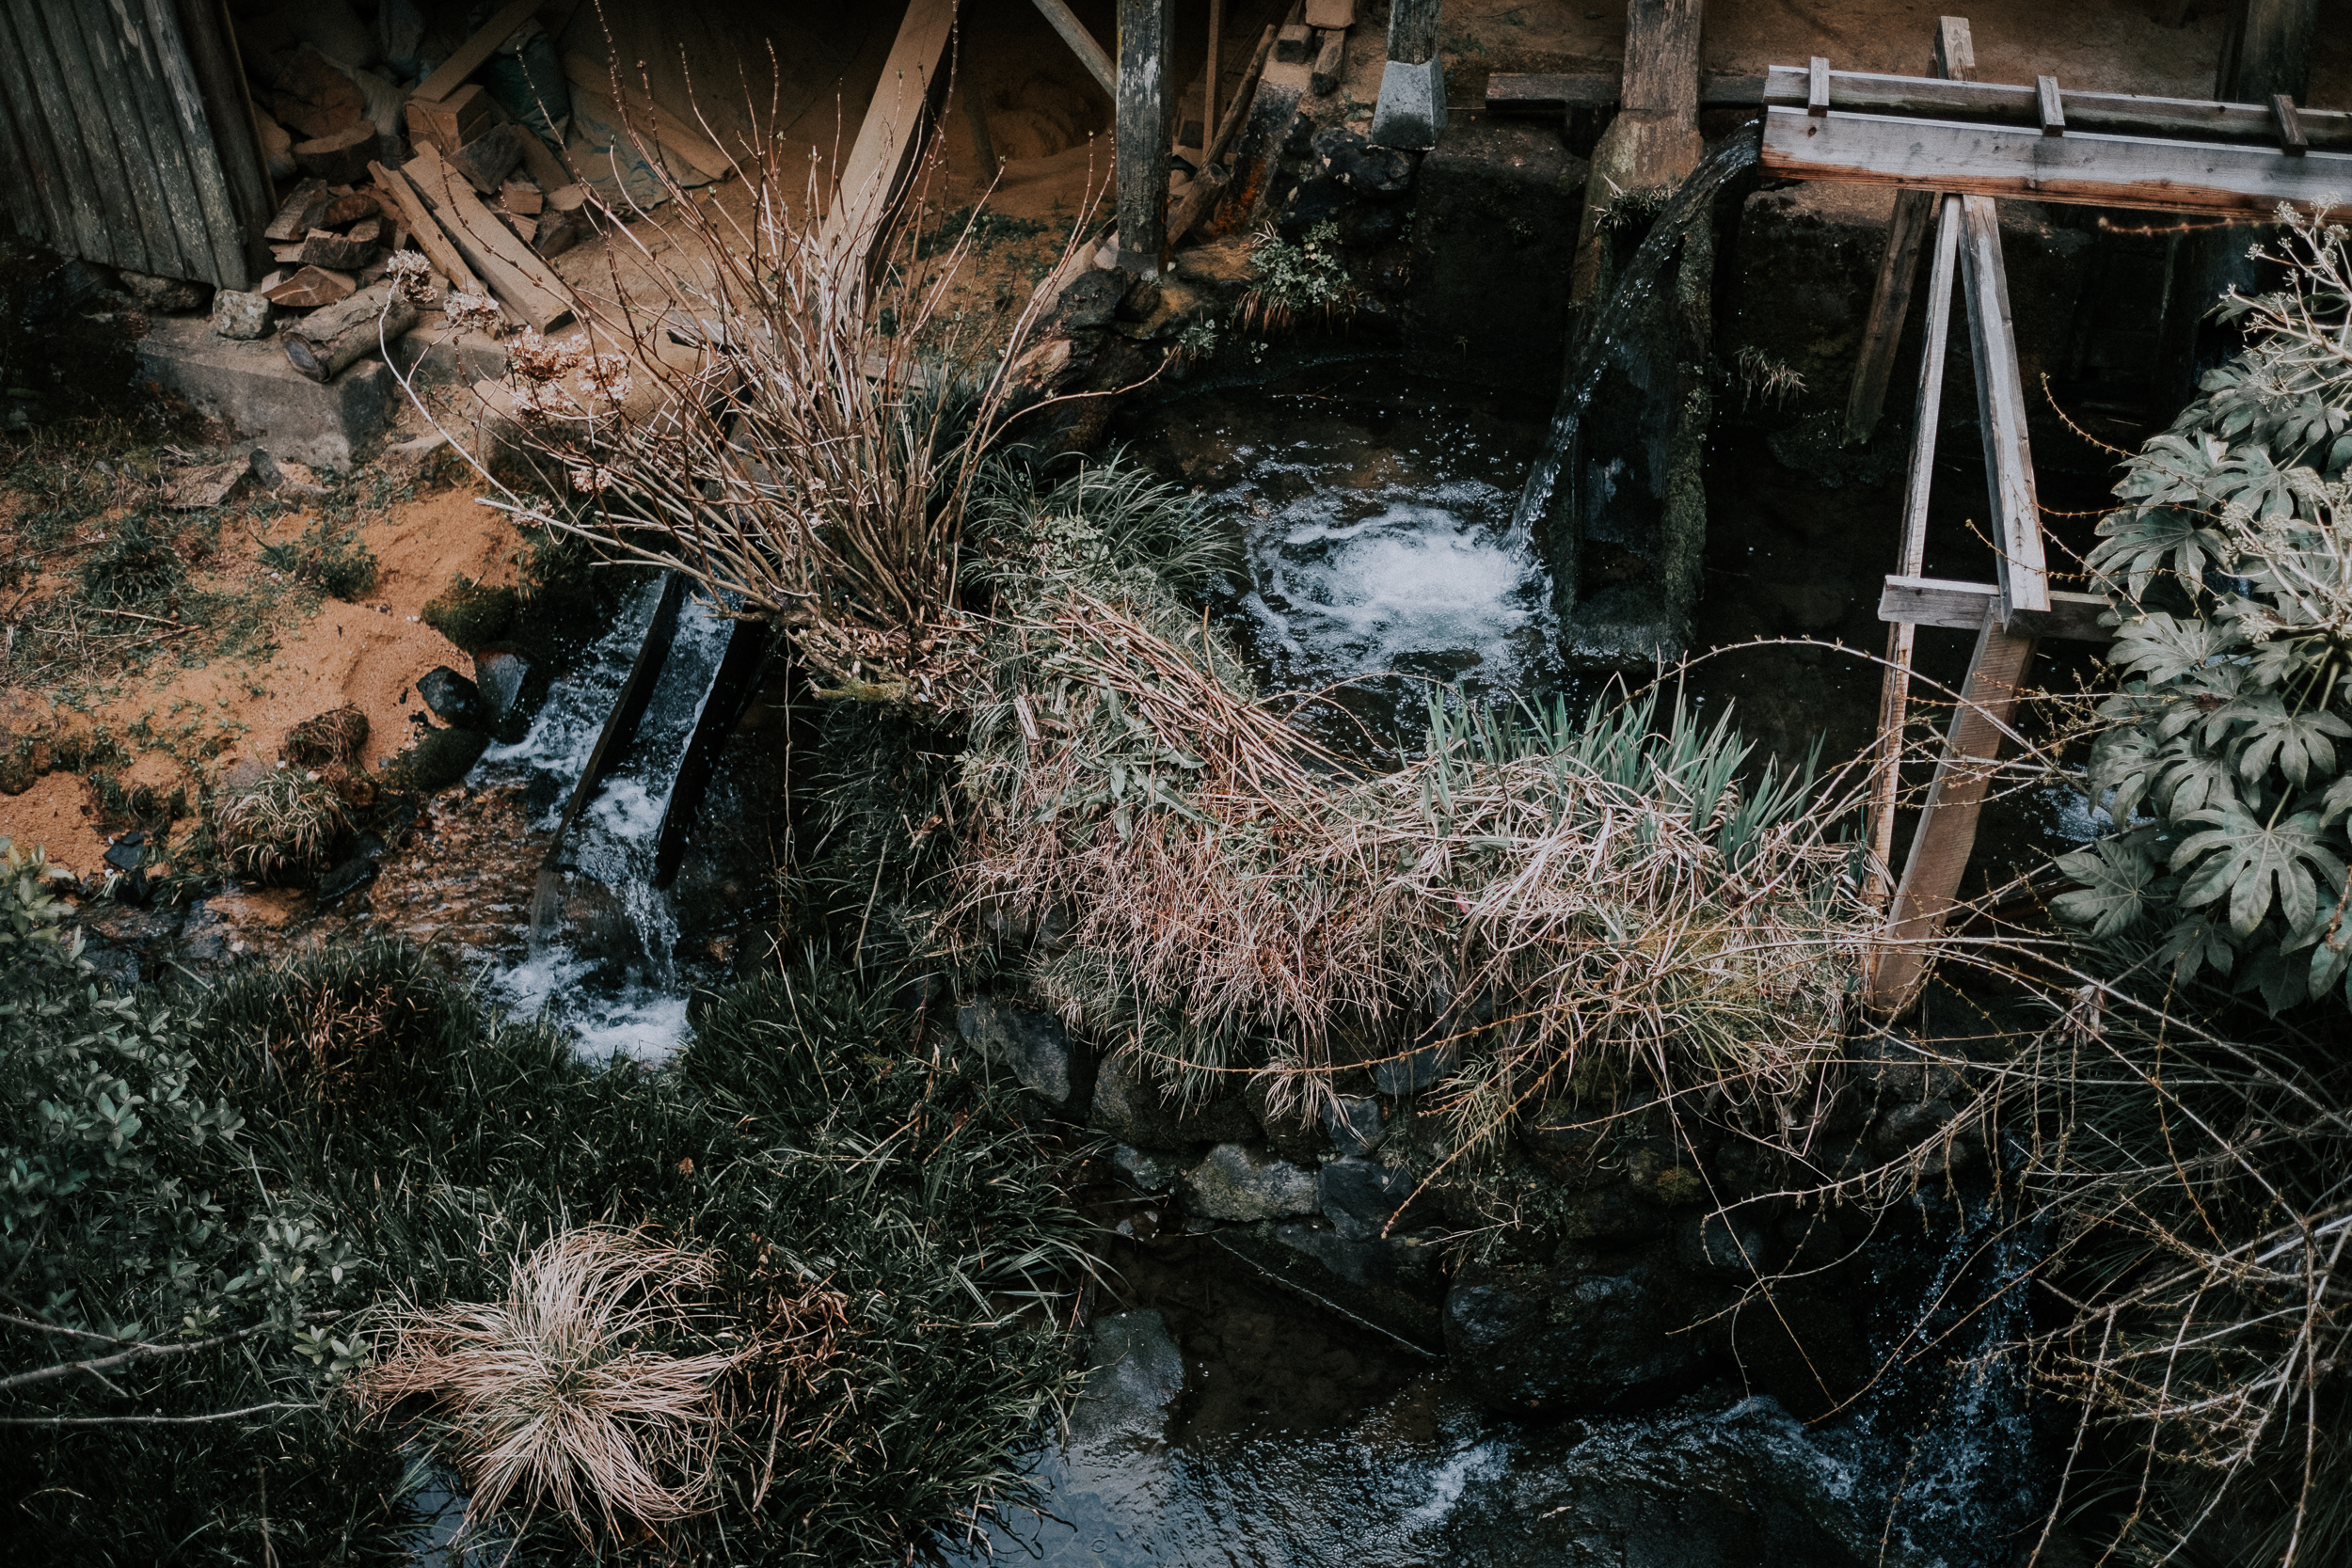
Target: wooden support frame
(1074,33)
(2001,411)
(1947,834)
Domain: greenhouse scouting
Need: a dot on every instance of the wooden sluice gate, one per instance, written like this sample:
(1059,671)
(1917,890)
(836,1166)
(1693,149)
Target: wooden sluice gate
(1954,146)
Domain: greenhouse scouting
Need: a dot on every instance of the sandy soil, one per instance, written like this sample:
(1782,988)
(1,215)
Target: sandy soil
(368,654)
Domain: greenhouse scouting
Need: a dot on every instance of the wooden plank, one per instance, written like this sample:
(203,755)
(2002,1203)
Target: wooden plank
(1909,599)
(1661,58)
(55,220)
(470,56)
(2009,104)
(1911,554)
(649,118)
(1953,53)
(427,231)
(2049,106)
(2292,141)
(1140,155)
(521,280)
(2147,173)
(1074,33)
(2001,412)
(886,135)
(1890,301)
(61,70)
(1947,834)
(216,95)
(147,132)
(1817,87)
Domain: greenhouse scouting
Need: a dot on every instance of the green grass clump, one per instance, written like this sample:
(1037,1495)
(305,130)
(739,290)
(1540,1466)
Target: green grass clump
(283,825)
(137,568)
(471,614)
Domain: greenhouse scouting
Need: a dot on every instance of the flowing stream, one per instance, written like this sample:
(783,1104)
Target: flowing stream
(609,972)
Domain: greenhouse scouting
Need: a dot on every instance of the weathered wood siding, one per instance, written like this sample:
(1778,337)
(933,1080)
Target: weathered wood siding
(121,143)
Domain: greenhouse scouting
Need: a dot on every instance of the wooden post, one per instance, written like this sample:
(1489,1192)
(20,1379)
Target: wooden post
(1954,58)
(2268,50)
(1208,97)
(1142,134)
(1413,31)
(2001,411)
(1895,689)
(1947,834)
(1655,140)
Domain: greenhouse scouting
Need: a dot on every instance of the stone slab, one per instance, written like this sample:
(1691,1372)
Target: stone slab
(1411,112)
(253,388)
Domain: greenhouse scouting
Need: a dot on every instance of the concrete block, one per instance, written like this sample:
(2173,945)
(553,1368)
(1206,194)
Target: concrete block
(1494,229)
(251,387)
(1411,112)
(243,317)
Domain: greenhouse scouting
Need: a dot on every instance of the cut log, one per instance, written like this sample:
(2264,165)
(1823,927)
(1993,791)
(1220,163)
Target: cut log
(323,342)
(344,211)
(1324,79)
(565,223)
(427,231)
(486,161)
(522,282)
(339,159)
(311,288)
(525,228)
(522,198)
(299,212)
(449,123)
(1294,44)
(324,247)
(289,253)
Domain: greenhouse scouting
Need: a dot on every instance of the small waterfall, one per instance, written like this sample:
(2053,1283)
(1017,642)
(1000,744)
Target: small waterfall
(603,947)
(1607,338)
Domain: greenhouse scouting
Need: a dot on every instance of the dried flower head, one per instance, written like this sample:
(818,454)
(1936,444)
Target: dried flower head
(412,274)
(472,312)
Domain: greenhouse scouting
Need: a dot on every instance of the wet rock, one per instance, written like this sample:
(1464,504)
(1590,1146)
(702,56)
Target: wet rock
(240,317)
(1532,1339)
(1561,1142)
(356,872)
(1360,1197)
(1694,1488)
(1409,1070)
(1239,1183)
(1032,1044)
(439,759)
(1352,1123)
(1138,1371)
(333,737)
(1610,1215)
(499,673)
(1361,168)
(1149,1171)
(453,699)
(118,967)
(1732,1242)
(1130,1108)
(1391,1286)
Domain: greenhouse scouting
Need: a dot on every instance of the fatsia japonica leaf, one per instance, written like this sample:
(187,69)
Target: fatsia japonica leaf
(2296,743)
(2191,778)
(2123,769)
(2162,647)
(2137,545)
(2115,877)
(2252,864)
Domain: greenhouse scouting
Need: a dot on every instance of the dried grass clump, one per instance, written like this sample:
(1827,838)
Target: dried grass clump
(790,452)
(592,1389)
(333,737)
(286,821)
(1558,902)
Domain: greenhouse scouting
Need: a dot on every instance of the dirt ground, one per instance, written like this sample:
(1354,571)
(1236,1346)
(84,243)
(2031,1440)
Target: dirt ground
(201,712)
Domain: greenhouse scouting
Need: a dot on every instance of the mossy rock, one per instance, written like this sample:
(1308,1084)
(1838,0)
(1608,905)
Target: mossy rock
(437,760)
(471,614)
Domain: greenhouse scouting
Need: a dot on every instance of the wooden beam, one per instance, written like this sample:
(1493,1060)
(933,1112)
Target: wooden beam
(2292,141)
(886,136)
(1954,56)
(1074,33)
(1947,834)
(1909,599)
(1910,557)
(2253,124)
(522,283)
(1141,154)
(2050,105)
(2001,412)
(470,56)
(2145,173)
(427,231)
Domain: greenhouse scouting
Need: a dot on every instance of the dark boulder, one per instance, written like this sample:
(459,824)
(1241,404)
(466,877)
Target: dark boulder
(1131,1108)
(453,699)
(1033,1045)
